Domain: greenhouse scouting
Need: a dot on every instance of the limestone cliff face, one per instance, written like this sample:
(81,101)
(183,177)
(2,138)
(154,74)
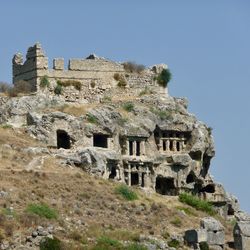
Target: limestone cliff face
(149,141)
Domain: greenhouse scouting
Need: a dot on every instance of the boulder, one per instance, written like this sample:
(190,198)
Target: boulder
(242,235)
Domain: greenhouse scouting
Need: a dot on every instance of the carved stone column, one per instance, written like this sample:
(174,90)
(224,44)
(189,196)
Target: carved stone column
(143,150)
(129,174)
(127,147)
(167,145)
(140,178)
(134,147)
(174,145)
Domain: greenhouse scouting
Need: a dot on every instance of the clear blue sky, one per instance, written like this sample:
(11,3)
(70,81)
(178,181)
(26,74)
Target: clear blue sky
(205,43)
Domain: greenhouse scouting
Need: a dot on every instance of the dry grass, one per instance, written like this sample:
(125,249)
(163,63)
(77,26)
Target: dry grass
(75,110)
(80,197)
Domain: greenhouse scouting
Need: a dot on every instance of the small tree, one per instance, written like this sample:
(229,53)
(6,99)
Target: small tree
(58,89)
(164,77)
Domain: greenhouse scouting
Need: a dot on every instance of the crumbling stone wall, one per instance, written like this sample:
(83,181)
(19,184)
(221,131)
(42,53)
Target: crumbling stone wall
(95,74)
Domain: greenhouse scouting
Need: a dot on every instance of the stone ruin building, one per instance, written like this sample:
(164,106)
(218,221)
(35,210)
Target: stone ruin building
(94,75)
(157,145)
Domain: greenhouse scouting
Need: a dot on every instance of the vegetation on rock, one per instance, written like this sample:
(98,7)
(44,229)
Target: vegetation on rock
(164,77)
(50,244)
(126,193)
(204,246)
(197,203)
(76,84)
(44,82)
(58,89)
(92,118)
(42,210)
(128,106)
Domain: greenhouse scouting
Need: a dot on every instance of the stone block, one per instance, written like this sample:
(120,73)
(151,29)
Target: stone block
(195,236)
(216,238)
(211,224)
(58,64)
(242,235)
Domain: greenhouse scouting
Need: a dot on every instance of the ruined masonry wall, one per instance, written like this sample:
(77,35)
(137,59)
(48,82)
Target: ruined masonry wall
(93,70)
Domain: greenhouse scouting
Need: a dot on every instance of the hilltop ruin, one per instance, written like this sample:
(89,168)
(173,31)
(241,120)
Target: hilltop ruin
(85,80)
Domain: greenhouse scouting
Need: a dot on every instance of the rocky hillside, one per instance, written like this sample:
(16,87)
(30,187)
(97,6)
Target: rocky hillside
(128,172)
(87,208)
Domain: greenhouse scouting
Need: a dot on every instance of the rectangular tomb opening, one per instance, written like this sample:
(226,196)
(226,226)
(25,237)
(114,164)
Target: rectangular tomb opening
(100,140)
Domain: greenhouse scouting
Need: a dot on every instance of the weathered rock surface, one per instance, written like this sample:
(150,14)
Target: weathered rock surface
(242,235)
(211,231)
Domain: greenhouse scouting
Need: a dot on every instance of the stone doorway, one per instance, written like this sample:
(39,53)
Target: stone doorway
(63,139)
(100,140)
(112,174)
(134,179)
(165,186)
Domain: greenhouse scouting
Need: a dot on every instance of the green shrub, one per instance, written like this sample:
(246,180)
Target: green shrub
(50,244)
(92,84)
(204,246)
(44,82)
(174,243)
(126,193)
(162,114)
(92,118)
(76,84)
(58,89)
(164,77)
(146,91)
(197,203)
(105,243)
(107,99)
(42,210)
(5,126)
(132,67)
(128,106)
(176,222)
(187,210)
(8,212)
(122,83)
(210,129)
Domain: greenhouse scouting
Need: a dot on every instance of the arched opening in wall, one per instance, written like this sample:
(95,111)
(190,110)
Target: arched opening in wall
(208,189)
(230,210)
(190,178)
(165,186)
(112,174)
(63,139)
(100,140)
(134,179)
